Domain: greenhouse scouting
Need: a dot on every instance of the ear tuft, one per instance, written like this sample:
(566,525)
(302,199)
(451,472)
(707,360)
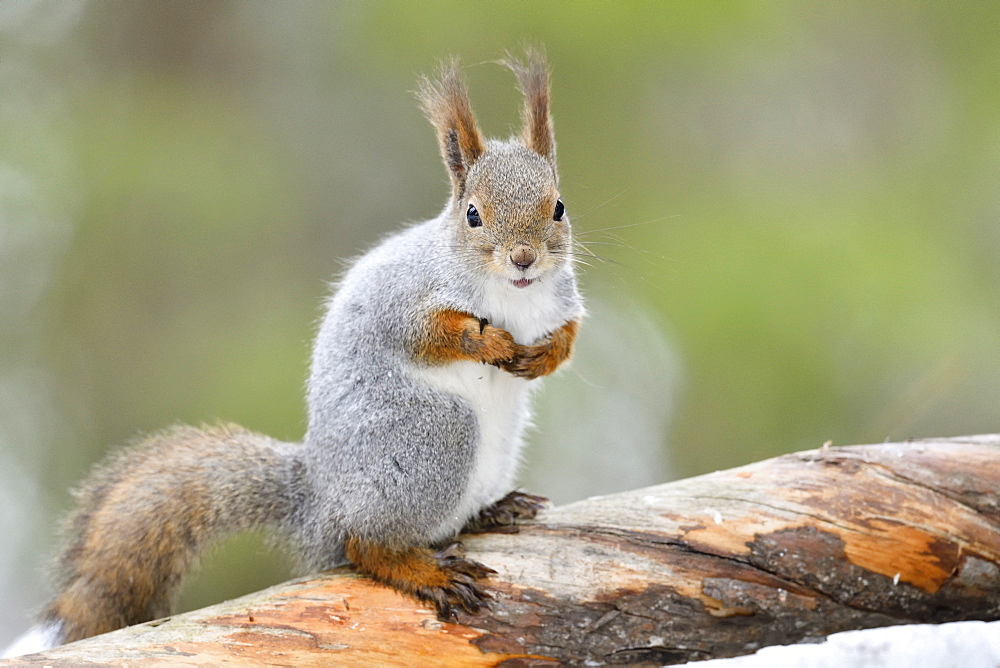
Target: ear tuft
(445,101)
(533,78)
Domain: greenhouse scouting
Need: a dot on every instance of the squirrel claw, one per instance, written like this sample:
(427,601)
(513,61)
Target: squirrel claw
(502,516)
(451,550)
(452,558)
(462,590)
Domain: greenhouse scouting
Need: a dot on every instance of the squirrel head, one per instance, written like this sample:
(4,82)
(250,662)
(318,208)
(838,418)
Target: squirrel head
(505,212)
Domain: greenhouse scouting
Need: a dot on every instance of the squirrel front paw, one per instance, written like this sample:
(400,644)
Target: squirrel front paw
(489,344)
(530,362)
(544,357)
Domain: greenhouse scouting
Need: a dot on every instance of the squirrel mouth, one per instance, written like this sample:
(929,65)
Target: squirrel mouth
(522,282)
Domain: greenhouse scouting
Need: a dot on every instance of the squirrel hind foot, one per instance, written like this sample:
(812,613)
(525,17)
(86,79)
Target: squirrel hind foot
(463,589)
(445,579)
(502,516)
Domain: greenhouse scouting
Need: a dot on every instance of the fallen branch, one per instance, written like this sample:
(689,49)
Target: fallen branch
(789,549)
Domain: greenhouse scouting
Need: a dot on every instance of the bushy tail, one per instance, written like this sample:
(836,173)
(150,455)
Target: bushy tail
(145,515)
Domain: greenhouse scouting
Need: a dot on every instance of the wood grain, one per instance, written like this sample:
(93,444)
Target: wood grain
(781,551)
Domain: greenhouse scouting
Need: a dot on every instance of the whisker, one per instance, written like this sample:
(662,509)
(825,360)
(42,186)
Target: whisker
(622,227)
(580,216)
(649,255)
(584,247)
(594,255)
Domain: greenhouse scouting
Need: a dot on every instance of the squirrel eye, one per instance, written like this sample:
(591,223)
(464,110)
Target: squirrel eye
(560,210)
(472,215)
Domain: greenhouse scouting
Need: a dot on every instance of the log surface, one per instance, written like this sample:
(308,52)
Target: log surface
(782,551)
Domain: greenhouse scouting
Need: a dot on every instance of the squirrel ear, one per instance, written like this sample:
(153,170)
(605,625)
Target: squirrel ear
(445,101)
(533,78)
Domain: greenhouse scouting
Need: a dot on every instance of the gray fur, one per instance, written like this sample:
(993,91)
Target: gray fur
(404,455)
(388,456)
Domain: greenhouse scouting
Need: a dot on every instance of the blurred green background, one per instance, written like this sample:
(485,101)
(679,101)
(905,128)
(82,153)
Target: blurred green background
(808,199)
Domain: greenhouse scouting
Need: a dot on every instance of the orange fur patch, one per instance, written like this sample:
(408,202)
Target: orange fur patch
(453,336)
(544,358)
(407,570)
(444,579)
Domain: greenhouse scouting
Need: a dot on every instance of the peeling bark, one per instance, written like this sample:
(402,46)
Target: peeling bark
(782,551)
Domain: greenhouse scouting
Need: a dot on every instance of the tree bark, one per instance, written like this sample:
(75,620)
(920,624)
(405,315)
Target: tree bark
(782,551)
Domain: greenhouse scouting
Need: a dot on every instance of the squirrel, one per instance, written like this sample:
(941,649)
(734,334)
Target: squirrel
(418,397)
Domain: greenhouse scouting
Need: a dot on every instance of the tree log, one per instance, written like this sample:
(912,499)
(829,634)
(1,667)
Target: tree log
(782,551)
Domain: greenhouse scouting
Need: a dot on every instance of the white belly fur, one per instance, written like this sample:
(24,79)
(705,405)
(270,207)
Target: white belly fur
(500,402)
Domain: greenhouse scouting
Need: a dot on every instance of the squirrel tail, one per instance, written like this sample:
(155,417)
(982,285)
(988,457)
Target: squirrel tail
(145,516)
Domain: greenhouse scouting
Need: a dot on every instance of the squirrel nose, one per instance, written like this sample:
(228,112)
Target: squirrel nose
(522,257)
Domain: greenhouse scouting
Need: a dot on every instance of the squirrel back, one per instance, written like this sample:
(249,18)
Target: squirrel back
(418,397)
